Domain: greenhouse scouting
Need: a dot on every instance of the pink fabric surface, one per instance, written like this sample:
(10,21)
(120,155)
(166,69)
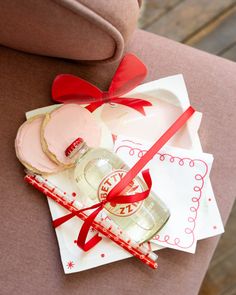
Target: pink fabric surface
(90,30)
(30,262)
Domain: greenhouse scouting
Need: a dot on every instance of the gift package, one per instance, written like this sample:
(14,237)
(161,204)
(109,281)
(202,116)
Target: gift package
(123,170)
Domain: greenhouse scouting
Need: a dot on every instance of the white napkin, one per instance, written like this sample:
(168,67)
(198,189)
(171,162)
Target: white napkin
(181,179)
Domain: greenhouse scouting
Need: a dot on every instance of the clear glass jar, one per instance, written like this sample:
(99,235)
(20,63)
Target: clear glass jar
(97,171)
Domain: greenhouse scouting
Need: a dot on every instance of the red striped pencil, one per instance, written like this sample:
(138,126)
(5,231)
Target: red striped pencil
(106,228)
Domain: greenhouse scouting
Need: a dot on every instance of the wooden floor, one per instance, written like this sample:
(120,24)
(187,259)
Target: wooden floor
(209,25)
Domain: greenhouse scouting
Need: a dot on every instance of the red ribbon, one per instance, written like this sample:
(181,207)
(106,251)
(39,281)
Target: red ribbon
(115,195)
(130,73)
(116,199)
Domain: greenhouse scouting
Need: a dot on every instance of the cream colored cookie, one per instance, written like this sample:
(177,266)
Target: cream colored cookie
(29,150)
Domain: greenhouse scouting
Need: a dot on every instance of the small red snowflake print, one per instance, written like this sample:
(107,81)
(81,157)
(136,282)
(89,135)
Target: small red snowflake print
(102,255)
(70,264)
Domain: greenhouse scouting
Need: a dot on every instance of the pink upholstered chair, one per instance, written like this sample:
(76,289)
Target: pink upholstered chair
(43,38)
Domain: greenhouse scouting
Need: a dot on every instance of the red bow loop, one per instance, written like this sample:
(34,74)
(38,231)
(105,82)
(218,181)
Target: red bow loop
(130,73)
(68,88)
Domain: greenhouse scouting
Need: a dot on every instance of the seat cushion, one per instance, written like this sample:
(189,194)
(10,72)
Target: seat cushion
(30,262)
(74,29)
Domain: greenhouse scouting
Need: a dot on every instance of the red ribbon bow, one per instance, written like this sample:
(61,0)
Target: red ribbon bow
(130,73)
(116,196)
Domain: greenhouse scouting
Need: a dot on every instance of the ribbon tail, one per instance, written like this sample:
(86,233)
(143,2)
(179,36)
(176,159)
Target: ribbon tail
(137,104)
(147,178)
(94,105)
(57,222)
(81,241)
(138,108)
